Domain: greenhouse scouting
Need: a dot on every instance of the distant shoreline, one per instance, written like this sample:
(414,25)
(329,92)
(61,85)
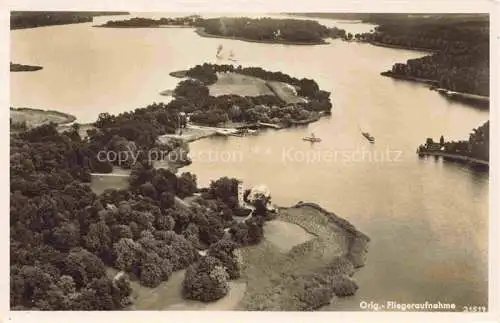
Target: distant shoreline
(24,68)
(430,51)
(151,26)
(478,100)
(201,32)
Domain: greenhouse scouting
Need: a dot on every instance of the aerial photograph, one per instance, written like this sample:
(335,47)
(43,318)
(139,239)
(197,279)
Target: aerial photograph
(294,161)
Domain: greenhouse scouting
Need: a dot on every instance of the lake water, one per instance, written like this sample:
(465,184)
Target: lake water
(428,220)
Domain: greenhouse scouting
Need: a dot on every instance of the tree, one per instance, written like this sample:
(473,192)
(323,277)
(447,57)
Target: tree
(83,266)
(154,270)
(226,252)
(206,280)
(99,240)
(249,232)
(441,141)
(186,185)
(128,254)
(66,236)
(225,189)
(121,290)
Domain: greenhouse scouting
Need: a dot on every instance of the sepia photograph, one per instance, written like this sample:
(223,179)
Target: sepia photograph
(249,161)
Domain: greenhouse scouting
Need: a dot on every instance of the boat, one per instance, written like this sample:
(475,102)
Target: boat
(231,56)
(225,132)
(219,51)
(243,132)
(312,138)
(370,138)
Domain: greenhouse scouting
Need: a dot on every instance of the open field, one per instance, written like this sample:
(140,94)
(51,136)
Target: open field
(285,92)
(118,179)
(238,84)
(243,85)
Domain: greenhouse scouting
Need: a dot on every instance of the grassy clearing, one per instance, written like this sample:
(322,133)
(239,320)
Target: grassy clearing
(238,84)
(168,295)
(243,85)
(100,182)
(285,235)
(285,92)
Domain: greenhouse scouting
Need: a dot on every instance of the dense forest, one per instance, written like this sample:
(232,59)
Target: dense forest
(192,96)
(460,61)
(63,236)
(478,145)
(261,29)
(32,19)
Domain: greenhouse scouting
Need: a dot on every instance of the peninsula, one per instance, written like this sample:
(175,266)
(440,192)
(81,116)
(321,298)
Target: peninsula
(160,241)
(474,151)
(458,64)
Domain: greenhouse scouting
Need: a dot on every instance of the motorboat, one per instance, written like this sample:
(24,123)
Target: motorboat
(312,138)
(370,138)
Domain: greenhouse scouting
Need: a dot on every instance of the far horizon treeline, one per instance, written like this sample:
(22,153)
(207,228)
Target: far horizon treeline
(33,19)
(256,29)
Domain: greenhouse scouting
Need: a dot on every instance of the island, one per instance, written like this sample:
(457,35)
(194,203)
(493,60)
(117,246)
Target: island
(138,22)
(24,68)
(159,241)
(263,30)
(33,19)
(215,95)
(475,151)
(458,64)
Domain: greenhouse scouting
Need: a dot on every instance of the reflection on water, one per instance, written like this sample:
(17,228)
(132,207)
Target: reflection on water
(428,219)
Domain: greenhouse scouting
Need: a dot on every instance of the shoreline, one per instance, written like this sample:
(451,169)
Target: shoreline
(454,157)
(417,49)
(334,250)
(201,32)
(474,99)
(358,241)
(152,26)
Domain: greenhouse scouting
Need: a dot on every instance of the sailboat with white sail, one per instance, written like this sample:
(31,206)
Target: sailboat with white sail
(220,54)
